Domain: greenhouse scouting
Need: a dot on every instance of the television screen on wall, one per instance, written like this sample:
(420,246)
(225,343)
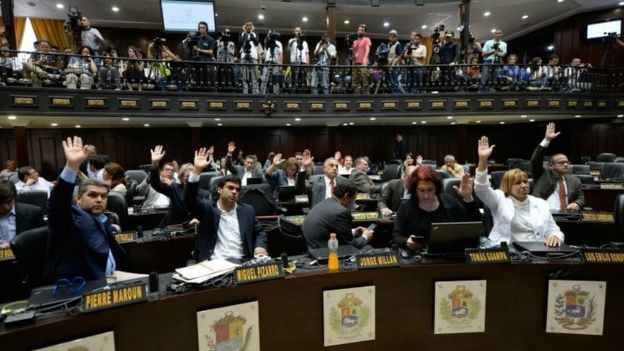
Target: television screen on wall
(183,15)
(604,29)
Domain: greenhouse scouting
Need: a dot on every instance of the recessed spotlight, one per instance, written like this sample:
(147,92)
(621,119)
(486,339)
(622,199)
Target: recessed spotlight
(217,119)
(373,118)
(559,0)
(146,125)
(621,3)
(531,120)
(12,117)
(216,15)
(261,17)
(54,124)
(620,116)
(345,124)
(351,123)
(523,116)
(288,124)
(78,126)
(493,30)
(477,122)
(115,9)
(60,6)
(424,26)
(297,119)
(413,122)
(502,122)
(219,124)
(423,122)
(550,47)
(453,123)
(449,117)
(346,22)
(386,24)
(125,119)
(486,13)
(525,16)
(577,116)
(305,19)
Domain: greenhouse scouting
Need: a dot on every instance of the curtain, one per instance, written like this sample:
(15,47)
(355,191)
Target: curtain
(428,43)
(20,23)
(52,30)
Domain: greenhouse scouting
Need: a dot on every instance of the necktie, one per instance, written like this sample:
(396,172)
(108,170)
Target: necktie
(331,186)
(562,195)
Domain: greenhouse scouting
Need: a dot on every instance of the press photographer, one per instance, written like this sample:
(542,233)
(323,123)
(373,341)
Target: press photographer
(325,53)
(226,53)
(393,58)
(200,45)
(414,55)
(161,70)
(272,71)
(299,55)
(494,52)
(248,41)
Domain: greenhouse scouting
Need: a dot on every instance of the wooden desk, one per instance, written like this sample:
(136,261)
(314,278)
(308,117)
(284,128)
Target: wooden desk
(601,199)
(291,316)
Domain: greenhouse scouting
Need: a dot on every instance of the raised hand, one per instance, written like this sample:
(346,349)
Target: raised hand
(157,155)
(231,147)
(201,160)
(465,187)
(419,160)
(75,152)
(277,159)
(484,149)
(550,132)
(307,158)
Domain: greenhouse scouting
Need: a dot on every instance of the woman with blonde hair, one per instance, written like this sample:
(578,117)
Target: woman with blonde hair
(517,215)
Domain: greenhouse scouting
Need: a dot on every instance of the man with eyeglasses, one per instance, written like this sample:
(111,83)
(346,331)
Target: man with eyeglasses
(320,187)
(553,183)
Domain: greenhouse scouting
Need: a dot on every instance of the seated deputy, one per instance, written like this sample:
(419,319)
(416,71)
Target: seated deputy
(227,229)
(15,217)
(517,215)
(333,215)
(428,204)
(81,239)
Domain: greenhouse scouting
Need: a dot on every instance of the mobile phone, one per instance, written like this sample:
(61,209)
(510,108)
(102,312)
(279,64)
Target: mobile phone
(372,226)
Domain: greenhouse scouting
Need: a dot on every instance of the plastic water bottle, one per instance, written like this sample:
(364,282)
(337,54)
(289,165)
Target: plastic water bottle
(332,264)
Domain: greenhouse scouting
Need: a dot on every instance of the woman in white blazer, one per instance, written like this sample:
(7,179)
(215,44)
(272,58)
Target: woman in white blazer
(517,215)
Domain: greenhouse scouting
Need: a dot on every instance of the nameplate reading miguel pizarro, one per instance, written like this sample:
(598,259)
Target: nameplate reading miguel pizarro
(258,273)
(378,260)
(608,256)
(487,256)
(111,298)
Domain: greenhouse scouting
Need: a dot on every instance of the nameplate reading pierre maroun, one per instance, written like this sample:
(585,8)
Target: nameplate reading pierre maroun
(487,256)
(119,296)
(378,260)
(258,272)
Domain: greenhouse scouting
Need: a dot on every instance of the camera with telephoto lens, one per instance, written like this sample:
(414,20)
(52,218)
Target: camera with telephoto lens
(272,39)
(350,38)
(496,46)
(72,24)
(436,33)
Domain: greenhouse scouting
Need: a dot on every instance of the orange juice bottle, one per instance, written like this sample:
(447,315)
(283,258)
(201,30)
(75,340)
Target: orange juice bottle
(332,264)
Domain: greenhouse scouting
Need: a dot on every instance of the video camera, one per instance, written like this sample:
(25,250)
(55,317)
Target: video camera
(381,54)
(436,33)
(271,39)
(496,46)
(350,38)
(72,24)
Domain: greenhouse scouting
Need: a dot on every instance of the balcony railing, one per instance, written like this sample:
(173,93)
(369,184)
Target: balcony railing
(71,71)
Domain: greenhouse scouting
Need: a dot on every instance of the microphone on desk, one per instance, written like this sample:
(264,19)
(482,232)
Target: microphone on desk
(139,231)
(284,260)
(504,246)
(153,282)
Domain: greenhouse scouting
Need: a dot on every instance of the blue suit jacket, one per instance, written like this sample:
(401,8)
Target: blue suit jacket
(208,214)
(78,242)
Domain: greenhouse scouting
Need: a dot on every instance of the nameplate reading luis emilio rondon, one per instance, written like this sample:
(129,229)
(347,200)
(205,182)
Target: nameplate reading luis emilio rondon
(608,256)
(6,254)
(124,237)
(119,296)
(378,260)
(259,272)
(487,256)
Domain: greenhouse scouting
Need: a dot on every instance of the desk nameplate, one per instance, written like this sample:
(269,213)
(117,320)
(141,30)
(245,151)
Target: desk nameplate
(487,256)
(6,254)
(379,260)
(259,272)
(602,217)
(602,256)
(127,237)
(365,216)
(111,298)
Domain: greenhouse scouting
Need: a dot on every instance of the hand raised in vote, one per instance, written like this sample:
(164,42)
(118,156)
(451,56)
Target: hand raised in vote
(277,159)
(465,187)
(307,158)
(484,149)
(231,147)
(201,160)
(157,155)
(550,132)
(75,152)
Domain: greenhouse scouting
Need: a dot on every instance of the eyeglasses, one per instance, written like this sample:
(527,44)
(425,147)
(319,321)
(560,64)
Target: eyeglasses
(74,286)
(562,162)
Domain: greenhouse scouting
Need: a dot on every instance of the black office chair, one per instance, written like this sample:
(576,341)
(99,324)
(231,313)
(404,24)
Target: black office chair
(214,182)
(605,157)
(618,213)
(29,248)
(613,172)
(292,237)
(394,162)
(513,162)
(443,174)
(14,178)
(496,178)
(390,172)
(136,174)
(447,185)
(260,202)
(430,163)
(204,179)
(131,186)
(117,204)
(585,178)
(36,198)
(579,169)
(619,160)
(318,169)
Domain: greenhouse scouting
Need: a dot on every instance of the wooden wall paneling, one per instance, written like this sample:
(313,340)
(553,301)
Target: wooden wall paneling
(7,146)
(46,152)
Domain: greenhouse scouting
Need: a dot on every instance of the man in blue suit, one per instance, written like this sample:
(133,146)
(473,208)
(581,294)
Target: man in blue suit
(227,229)
(81,239)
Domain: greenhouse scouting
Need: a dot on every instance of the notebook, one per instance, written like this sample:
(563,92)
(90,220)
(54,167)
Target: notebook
(539,248)
(254,180)
(44,296)
(453,237)
(286,193)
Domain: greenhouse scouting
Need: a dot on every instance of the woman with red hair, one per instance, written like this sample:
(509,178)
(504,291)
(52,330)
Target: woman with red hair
(428,204)
(115,177)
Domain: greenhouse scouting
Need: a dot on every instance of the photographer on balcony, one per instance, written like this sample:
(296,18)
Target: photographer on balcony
(201,46)
(92,38)
(299,55)
(226,53)
(272,70)
(395,49)
(325,54)
(494,52)
(415,55)
(160,70)
(248,41)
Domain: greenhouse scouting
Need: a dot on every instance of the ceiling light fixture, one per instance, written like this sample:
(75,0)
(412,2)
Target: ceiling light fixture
(305,19)
(115,9)
(288,124)
(559,0)
(346,22)
(620,116)
(523,116)
(12,117)
(486,13)
(351,123)
(531,120)
(550,47)
(621,3)
(577,116)
(54,124)
(219,124)
(449,117)
(261,17)
(146,125)
(477,122)
(493,30)
(424,26)
(423,122)
(217,119)
(297,119)
(525,16)
(60,6)
(125,119)
(452,123)
(373,118)
(345,124)
(413,122)
(386,24)
(502,122)
(78,126)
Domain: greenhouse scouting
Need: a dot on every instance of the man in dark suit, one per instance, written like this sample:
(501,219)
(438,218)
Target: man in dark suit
(81,239)
(400,148)
(553,184)
(333,215)
(360,179)
(15,217)
(320,187)
(394,194)
(227,229)
(247,170)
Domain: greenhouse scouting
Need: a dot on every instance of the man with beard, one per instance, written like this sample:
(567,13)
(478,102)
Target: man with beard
(361,49)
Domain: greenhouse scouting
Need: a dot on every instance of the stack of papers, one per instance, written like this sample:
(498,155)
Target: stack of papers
(202,272)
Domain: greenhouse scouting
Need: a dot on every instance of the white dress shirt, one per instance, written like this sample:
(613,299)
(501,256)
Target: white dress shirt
(7,227)
(40,185)
(229,244)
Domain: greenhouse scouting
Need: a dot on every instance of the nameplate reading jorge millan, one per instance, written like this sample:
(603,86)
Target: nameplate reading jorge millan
(259,272)
(609,256)
(487,256)
(6,254)
(105,299)
(379,260)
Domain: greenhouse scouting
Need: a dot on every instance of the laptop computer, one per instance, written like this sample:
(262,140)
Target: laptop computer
(321,255)
(286,193)
(539,248)
(452,238)
(44,296)
(254,180)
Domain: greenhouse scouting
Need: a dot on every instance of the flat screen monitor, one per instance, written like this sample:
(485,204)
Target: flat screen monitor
(184,15)
(604,29)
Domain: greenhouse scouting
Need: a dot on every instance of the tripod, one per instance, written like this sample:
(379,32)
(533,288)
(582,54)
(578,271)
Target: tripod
(607,51)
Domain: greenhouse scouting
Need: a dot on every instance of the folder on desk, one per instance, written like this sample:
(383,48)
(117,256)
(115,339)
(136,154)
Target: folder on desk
(204,271)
